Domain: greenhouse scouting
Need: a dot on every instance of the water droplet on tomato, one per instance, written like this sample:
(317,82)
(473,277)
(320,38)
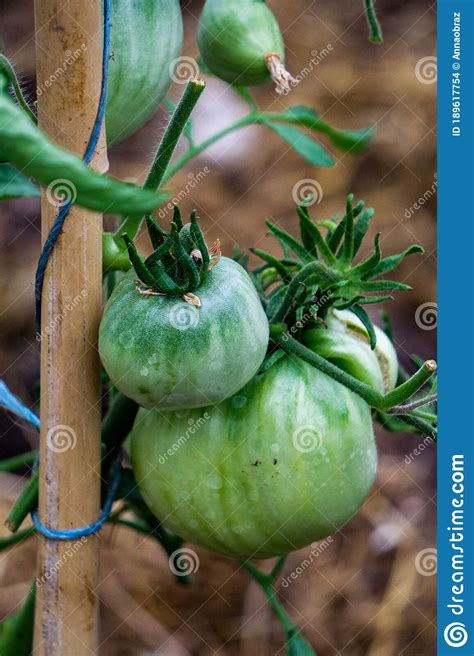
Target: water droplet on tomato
(214,482)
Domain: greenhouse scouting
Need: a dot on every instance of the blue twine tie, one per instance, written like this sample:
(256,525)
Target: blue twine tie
(13,404)
(57,226)
(8,400)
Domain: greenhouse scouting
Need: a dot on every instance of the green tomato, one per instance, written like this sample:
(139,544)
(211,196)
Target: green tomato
(235,37)
(163,352)
(345,342)
(146,36)
(286,461)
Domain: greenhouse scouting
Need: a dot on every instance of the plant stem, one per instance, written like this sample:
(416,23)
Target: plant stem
(18,462)
(26,502)
(373,23)
(248,119)
(9,71)
(373,398)
(266,584)
(165,151)
(10,540)
(413,405)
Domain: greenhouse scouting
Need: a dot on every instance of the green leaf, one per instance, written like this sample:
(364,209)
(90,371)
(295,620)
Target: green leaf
(361,228)
(290,242)
(353,141)
(392,262)
(14,184)
(307,148)
(364,317)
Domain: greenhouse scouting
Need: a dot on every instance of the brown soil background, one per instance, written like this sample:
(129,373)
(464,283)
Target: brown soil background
(362,595)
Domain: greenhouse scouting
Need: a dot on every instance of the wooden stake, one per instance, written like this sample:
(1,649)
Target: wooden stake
(69,56)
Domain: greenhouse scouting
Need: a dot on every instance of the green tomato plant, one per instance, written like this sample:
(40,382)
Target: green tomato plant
(278,368)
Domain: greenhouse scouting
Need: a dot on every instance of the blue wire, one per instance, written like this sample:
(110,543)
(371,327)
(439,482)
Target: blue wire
(57,227)
(88,529)
(11,403)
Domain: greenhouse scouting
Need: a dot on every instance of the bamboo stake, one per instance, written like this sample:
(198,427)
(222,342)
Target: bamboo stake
(69,55)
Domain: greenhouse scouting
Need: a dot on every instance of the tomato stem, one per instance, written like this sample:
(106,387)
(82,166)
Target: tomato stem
(7,68)
(18,462)
(165,151)
(382,402)
(266,582)
(373,23)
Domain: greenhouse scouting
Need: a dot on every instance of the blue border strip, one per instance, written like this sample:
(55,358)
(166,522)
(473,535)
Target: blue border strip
(456,327)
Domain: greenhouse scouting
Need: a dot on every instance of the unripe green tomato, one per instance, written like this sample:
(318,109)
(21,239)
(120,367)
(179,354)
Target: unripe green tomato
(146,36)
(345,342)
(237,40)
(384,349)
(286,461)
(164,353)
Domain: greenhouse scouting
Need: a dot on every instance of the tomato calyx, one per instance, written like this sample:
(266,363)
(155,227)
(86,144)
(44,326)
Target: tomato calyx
(180,262)
(316,273)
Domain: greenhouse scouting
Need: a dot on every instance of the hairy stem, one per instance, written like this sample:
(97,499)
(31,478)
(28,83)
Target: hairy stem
(383,402)
(7,68)
(165,151)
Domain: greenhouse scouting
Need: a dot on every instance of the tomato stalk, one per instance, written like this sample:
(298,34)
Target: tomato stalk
(376,400)
(373,23)
(9,71)
(165,151)
(295,644)
(18,462)
(351,143)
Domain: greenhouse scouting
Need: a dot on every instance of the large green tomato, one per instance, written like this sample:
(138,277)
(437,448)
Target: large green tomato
(163,352)
(146,36)
(288,460)
(345,342)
